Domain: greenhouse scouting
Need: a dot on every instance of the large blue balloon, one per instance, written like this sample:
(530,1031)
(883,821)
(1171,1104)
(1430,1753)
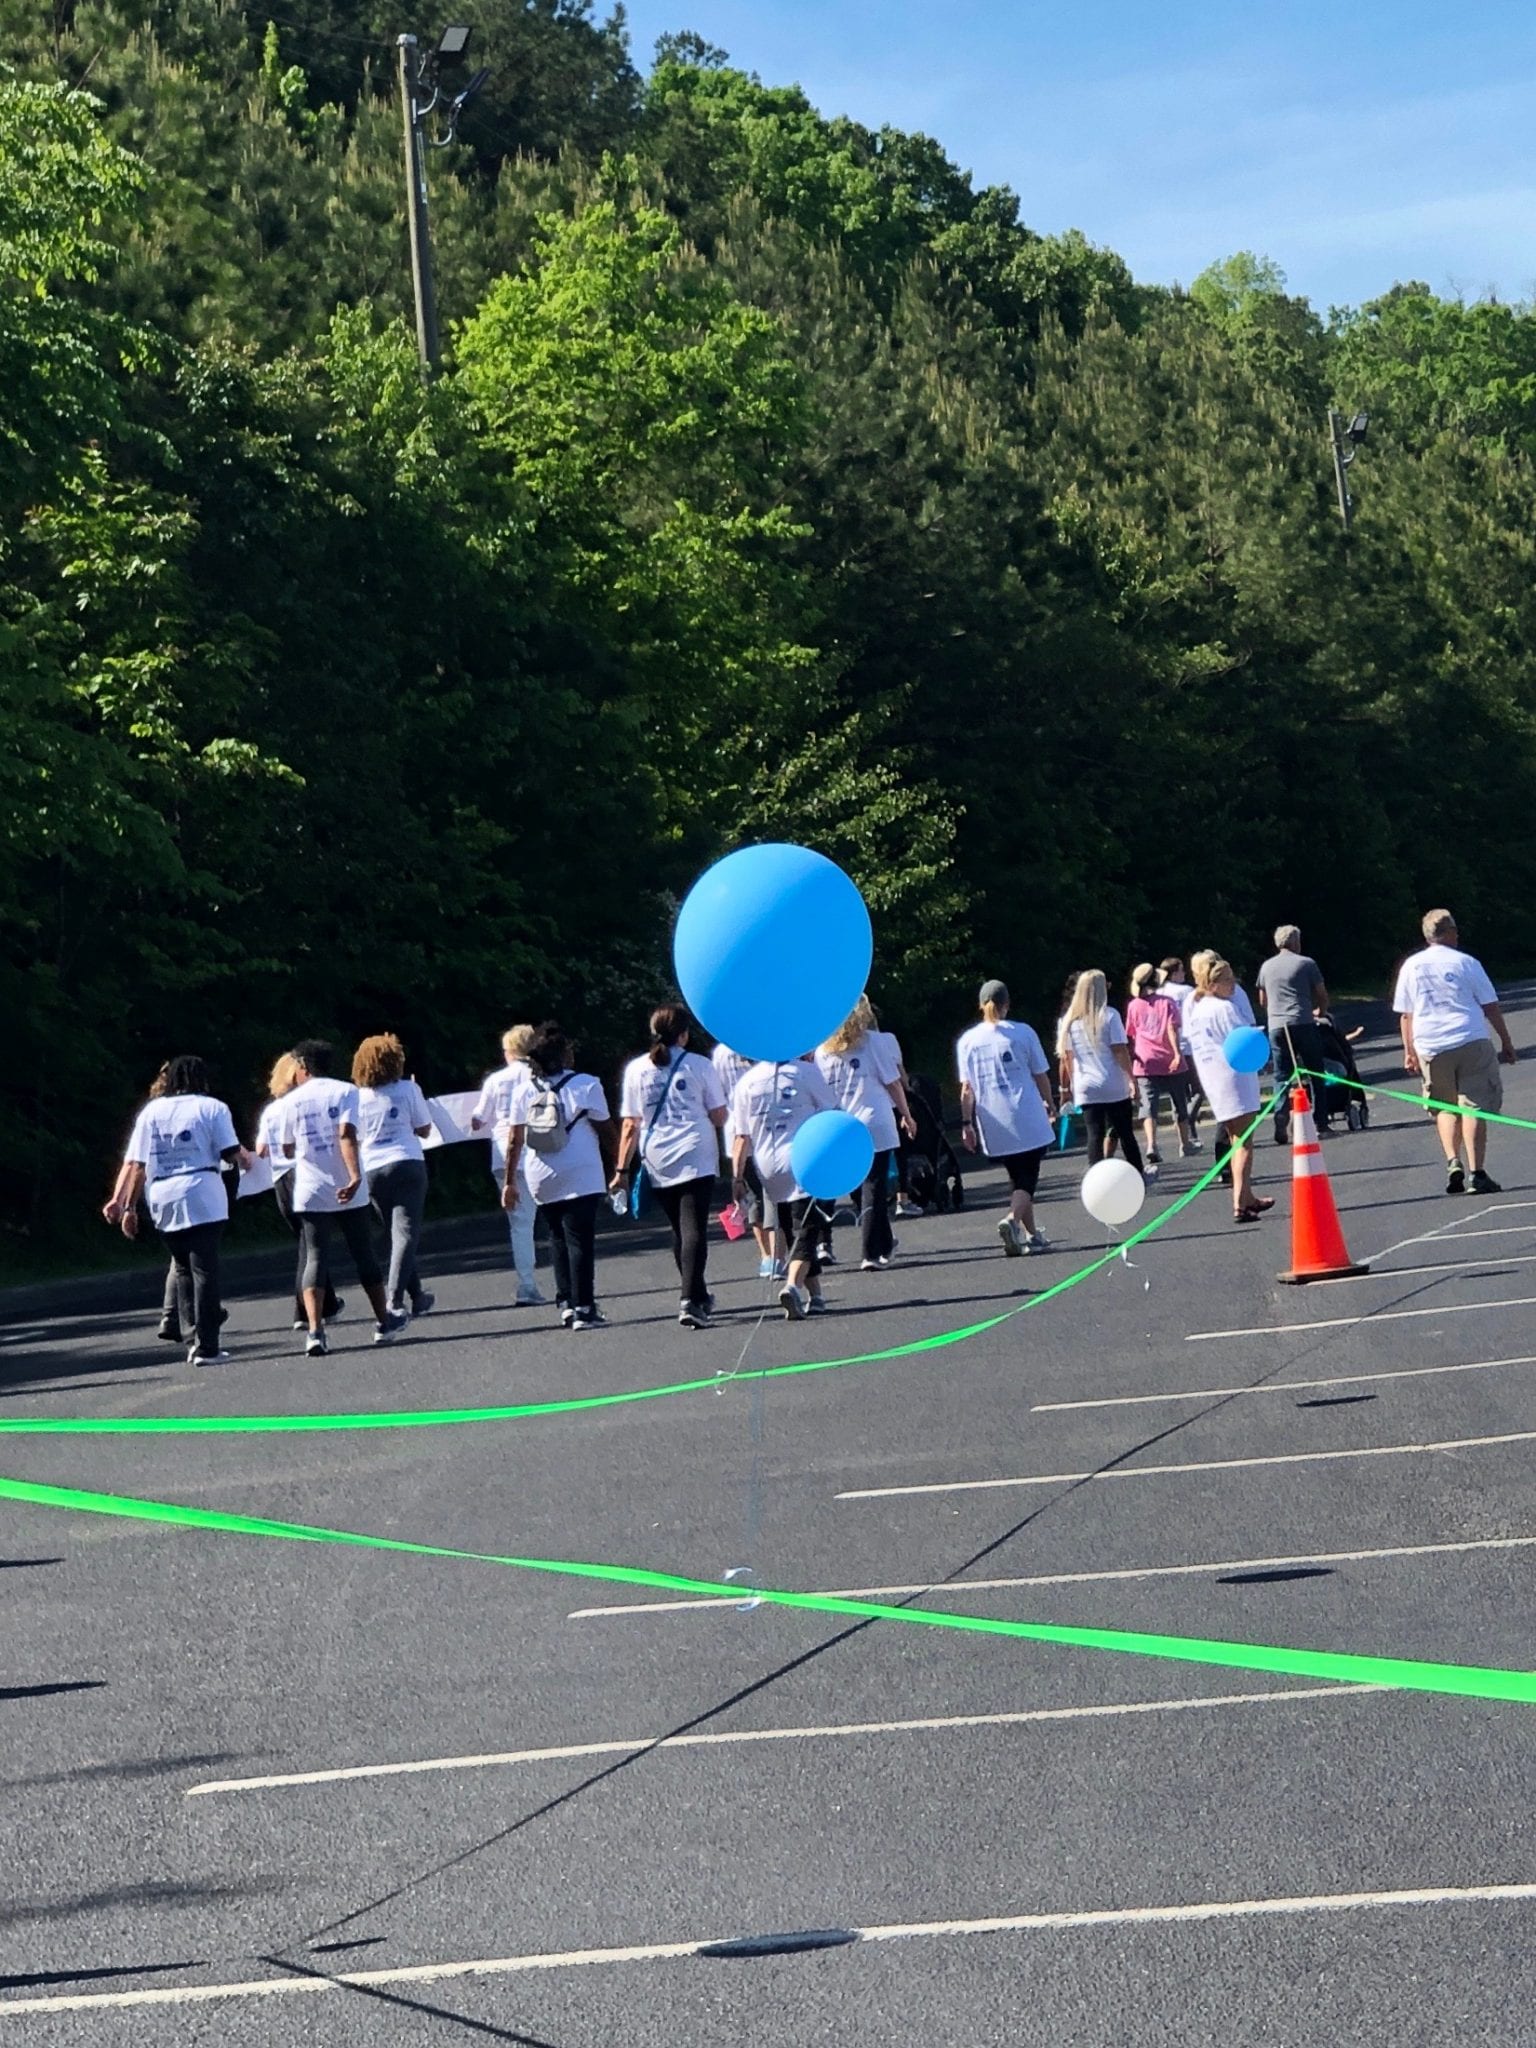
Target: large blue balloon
(772,950)
(831,1154)
(1247,1049)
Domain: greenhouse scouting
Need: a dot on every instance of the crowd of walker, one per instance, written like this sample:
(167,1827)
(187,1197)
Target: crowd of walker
(346,1153)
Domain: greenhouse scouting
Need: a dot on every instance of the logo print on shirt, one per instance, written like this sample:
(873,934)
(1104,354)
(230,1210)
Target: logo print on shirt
(334,1111)
(183,1137)
(1007,1059)
(393,1113)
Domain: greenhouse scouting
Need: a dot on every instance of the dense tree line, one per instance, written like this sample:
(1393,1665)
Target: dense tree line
(778,482)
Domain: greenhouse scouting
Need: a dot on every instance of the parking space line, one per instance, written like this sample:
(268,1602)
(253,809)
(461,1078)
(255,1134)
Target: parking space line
(1459,1443)
(1498,1259)
(723,1739)
(673,1951)
(1391,1315)
(723,1611)
(1348,1379)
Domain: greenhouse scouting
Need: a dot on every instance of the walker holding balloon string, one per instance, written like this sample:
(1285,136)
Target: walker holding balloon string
(1229,1050)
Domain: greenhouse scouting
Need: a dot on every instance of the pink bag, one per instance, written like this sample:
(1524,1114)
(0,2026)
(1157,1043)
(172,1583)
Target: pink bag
(733,1221)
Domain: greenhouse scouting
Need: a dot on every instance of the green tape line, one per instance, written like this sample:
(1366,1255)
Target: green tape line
(1406,1674)
(1489,1116)
(440,1418)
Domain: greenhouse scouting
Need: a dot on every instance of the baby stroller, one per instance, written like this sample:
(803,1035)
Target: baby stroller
(928,1172)
(1339,1059)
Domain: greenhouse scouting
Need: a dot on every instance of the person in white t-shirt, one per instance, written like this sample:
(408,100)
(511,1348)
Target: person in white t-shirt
(1454,1034)
(283,1079)
(393,1118)
(755,1207)
(1097,1067)
(1008,1110)
(1217,1009)
(558,1123)
(317,1126)
(858,1065)
(672,1108)
(492,1113)
(771,1101)
(181,1139)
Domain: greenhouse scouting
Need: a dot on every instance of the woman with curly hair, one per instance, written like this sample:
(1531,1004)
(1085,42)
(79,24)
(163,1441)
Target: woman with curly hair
(392,1120)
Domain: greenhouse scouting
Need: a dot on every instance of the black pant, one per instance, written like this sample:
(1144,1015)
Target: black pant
(399,1194)
(572,1245)
(875,1209)
(1099,1118)
(315,1228)
(282,1194)
(687,1211)
(805,1224)
(1296,1045)
(195,1255)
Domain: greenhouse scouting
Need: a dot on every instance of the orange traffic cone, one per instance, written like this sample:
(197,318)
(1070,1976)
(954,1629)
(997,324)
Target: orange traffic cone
(1318,1250)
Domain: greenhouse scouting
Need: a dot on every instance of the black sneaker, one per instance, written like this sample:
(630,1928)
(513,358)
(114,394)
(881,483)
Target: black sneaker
(1484,1183)
(587,1319)
(567,1316)
(423,1304)
(316,1344)
(693,1315)
(170,1333)
(390,1328)
(1455,1181)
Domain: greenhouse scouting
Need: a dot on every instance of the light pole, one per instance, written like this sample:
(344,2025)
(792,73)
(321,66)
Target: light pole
(420,94)
(1346,442)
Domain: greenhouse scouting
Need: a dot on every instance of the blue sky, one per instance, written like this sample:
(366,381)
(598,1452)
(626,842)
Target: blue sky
(1355,145)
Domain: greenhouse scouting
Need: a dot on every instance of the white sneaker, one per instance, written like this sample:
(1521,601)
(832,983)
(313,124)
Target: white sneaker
(817,1306)
(196,1357)
(795,1302)
(1008,1231)
(873,1265)
(1150,1173)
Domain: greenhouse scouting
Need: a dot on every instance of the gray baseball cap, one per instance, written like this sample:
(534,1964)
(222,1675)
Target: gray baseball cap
(993,992)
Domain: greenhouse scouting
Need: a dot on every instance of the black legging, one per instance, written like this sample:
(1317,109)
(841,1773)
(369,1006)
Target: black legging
(315,1227)
(572,1245)
(195,1255)
(875,1231)
(1099,1118)
(687,1211)
(282,1194)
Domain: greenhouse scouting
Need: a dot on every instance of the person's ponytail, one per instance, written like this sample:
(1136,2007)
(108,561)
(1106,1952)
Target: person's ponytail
(669,1024)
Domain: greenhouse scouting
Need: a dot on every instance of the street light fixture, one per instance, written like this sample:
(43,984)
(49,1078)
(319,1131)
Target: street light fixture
(1346,443)
(420,94)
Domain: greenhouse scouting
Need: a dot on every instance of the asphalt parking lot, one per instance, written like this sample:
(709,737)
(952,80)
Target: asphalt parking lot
(271,1792)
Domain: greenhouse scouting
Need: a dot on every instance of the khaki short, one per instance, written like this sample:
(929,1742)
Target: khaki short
(1468,1074)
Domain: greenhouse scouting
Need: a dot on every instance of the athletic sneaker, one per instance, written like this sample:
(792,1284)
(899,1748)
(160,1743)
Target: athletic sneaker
(1151,1171)
(904,1208)
(316,1344)
(423,1304)
(338,1311)
(767,1269)
(827,1255)
(1008,1231)
(1188,1151)
(873,1265)
(299,1323)
(693,1315)
(1154,1159)
(530,1300)
(1455,1180)
(196,1357)
(587,1319)
(817,1306)
(1484,1183)
(391,1327)
(794,1301)
(1038,1241)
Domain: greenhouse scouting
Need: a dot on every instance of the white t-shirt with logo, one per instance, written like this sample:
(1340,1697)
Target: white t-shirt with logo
(998,1063)
(1097,1076)
(676,1138)
(310,1119)
(1444,991)
(494,1109)
(858,1079)
(269,1142)
(729,1066)
(772,1100)
(577,1168)
(388,1119)
(178,1140)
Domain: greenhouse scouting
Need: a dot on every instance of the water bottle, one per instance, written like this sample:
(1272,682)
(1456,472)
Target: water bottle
(618,1201)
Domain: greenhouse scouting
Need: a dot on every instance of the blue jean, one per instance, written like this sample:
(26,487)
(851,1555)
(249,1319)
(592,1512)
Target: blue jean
(520,1222)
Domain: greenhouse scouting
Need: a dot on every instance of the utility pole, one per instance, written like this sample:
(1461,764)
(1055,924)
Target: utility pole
(416,209)
(1342,458)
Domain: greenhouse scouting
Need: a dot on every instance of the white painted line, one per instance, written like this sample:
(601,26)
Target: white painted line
(700,1604)
(931,1724)
(1499,1259)
(1349,1379)
(672,1951)
(1391,1315)
(1443,1233)
(1461,1237)
(1457,1443)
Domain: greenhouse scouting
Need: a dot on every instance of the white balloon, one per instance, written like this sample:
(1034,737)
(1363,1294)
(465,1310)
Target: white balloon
(1112,1192)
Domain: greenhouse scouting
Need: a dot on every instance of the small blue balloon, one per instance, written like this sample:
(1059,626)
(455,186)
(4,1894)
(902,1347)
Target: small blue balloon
(831,1154)
(772,950)
(1247,1049)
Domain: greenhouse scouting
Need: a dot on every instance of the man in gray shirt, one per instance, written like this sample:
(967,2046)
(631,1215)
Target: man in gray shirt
(1291,988)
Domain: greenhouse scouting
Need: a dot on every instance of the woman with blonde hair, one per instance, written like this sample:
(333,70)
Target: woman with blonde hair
(493,1112)
(282,1080)
(392,1120)
(1096,1066)
(1005,1099)
(864,1074)
(1217,1009)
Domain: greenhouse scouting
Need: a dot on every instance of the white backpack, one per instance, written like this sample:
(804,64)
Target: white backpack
(547,1129)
